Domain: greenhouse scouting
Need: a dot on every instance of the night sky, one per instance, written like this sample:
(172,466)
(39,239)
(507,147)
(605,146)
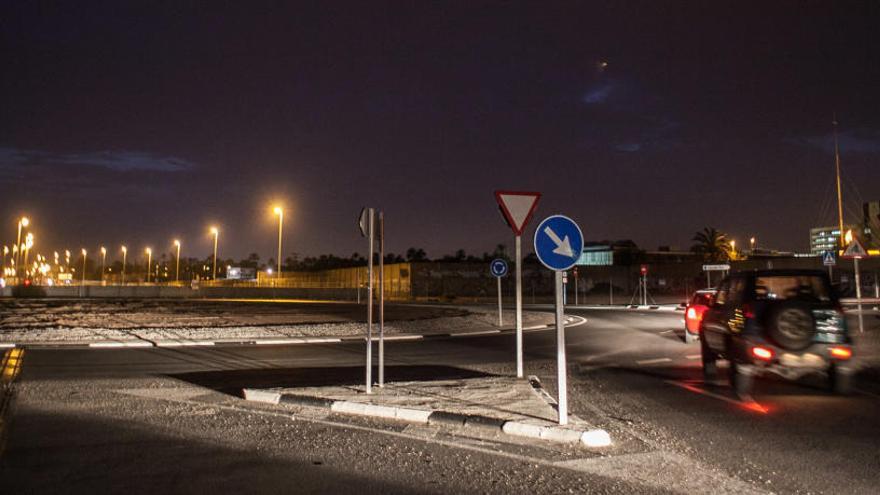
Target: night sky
(139,123)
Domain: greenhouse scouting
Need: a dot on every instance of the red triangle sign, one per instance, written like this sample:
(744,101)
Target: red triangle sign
(855,250)
(517,207)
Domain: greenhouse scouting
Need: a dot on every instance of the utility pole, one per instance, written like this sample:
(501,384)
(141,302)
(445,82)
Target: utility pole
(839,194)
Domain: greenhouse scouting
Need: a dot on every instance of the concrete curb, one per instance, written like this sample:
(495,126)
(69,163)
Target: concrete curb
(595,438)
(117,344)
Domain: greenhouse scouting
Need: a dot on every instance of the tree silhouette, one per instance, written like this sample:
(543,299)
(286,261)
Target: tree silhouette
(712,244)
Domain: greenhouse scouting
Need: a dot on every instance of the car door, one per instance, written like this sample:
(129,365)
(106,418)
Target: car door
(715,319)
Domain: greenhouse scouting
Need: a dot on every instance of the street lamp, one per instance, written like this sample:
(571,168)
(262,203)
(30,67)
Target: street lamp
(28,244)
(177,269)
(149,262)
(5,253)
(23,222)
(733,249)
(280,213)
(83,284)
(216,234)
(124,253)
(103,261)
(752,244)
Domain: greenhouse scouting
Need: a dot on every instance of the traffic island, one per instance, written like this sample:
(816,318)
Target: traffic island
(494,404)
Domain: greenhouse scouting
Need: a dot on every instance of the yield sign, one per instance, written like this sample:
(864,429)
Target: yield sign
(517,207)
(855,250)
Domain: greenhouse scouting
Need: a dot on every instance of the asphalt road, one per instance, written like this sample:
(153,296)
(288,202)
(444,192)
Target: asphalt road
(146,420)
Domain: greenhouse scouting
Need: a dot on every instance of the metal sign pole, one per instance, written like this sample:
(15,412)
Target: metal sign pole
(500,319)
(519,334)
(560,353)
(575,287)
(370,302)
(859,294)
(381,299)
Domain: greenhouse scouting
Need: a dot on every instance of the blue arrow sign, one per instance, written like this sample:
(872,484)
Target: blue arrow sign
(498,267)
(558,242)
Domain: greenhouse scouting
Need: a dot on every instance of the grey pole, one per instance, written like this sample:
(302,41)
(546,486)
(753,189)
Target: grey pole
(610,289)
(500,320)
(370,304)
(519,333)
(859,295)
(381,298)
(575,287)
(560,354)
(708,279)
(124,253)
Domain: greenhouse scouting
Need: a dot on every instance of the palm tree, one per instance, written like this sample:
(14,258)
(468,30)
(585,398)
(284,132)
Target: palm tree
(712,244)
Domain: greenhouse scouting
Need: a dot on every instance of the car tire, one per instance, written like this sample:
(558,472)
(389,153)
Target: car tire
(710,363)
(791,326)
(742,380)
(840,381)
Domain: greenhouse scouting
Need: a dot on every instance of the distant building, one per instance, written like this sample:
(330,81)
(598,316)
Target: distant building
(828,238)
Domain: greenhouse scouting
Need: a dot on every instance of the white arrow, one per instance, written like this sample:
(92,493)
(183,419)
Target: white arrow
(563,246)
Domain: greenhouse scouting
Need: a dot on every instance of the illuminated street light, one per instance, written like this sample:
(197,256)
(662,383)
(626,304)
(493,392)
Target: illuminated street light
(23,222)
(280,213)
(733,248)
(83,284)
(849,237)
(124,253)
(28,244)
(752,244)
(5,253)
(216,234)
(149,262)
(103,261)
(177,269)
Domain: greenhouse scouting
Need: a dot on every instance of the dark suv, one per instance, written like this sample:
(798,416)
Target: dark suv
(788,322)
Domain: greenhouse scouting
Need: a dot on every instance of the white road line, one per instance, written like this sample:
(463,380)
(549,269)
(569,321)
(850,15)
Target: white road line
(183,343)
(654,361)
(405,337)
(693,356)
(865,392)
(120,344)
(469,334)
(5,345)
(752,406)
(295,341)
(666,331)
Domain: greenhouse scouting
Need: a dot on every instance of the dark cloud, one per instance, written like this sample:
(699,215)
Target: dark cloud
(855,141)
(122,161)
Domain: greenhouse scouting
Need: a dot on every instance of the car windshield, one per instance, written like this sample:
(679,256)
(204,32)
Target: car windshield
(803,287)
(704,298)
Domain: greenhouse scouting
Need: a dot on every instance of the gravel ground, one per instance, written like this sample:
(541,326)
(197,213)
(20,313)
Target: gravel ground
(55,321)
(156,436)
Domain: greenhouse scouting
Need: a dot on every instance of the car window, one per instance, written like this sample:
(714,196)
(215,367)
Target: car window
(721,296)
(703,298)
(737,287)
(803,287)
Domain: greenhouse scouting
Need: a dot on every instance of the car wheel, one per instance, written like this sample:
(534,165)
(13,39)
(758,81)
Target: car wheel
(710,362)
(840,381)
(742,380)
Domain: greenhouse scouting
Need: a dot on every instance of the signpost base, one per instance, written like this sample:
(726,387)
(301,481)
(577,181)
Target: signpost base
(561,375)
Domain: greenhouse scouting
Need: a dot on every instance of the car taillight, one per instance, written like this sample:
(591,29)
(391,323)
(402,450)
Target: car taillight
(747,310)
(692,314)
(841,352)
(763,353)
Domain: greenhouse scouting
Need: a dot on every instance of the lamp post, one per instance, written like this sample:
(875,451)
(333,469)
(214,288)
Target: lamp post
(752,245)
(177,268)
(216,234)
(124,253)
(23,222)
(149,262)
(5,253)
(103,262)
(280,213)
(28,244)
(83,283)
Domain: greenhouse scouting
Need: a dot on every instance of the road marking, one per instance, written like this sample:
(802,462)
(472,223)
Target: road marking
(11,365)
(183,343)
(666,331)
(471,334)
(865,392)
(6,345)
(750,405)
(693,356)
(653,361)
(121,344)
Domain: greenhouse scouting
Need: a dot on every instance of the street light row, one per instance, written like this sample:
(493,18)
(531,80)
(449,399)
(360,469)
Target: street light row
(20,250)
